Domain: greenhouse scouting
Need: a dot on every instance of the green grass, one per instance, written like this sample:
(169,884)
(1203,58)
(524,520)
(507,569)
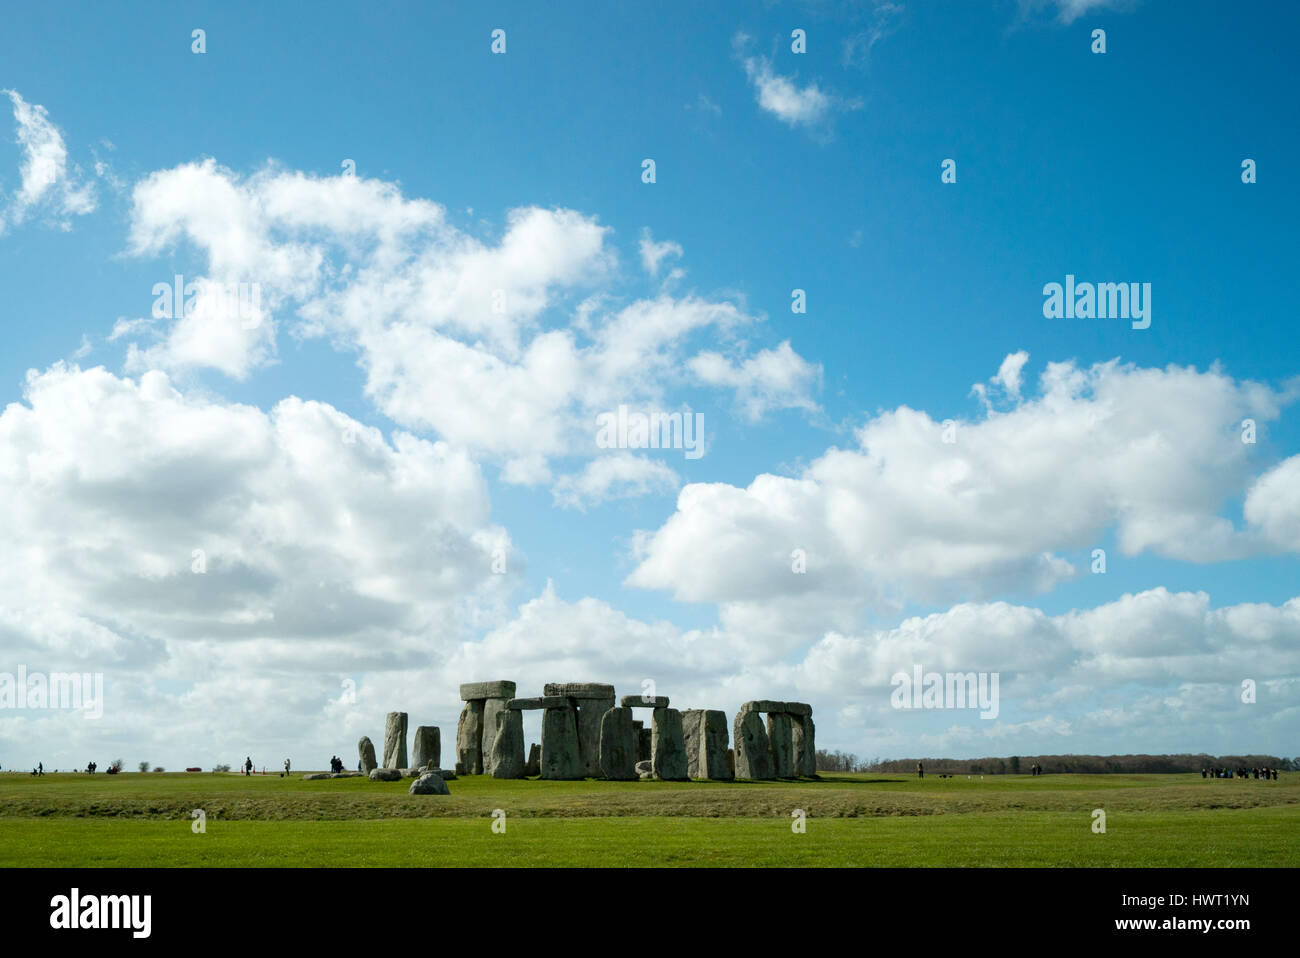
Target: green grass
(1152,820)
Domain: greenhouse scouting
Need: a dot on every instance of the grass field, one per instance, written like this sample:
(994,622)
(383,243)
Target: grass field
(851,820)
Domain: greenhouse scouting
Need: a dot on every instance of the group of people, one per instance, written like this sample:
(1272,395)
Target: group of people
(336,764)
(1035,769)
(1264,773)
(90,767)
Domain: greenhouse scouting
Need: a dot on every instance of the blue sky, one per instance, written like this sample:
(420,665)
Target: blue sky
(1115,167)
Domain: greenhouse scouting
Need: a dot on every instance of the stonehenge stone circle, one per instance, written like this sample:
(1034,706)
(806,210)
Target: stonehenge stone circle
(590,700)
(753,754)
(367,753)
(560,758)
(395,740)
(469,738)
(426,748)
(473,691)
(429,784)
(781,740)
(618,745)
(667,752)
(508,745)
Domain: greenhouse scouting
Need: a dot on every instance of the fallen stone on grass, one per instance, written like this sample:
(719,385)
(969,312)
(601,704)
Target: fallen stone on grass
(385,775)
(315,776)
(429,784)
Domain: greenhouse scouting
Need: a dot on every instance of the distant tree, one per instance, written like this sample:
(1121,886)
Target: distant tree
(144,766)
(226,768)
(1015,764)
(116,765)
(160,769)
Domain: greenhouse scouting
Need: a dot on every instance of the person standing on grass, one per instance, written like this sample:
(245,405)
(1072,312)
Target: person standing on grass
(920,770)
(248,765)
(286,766)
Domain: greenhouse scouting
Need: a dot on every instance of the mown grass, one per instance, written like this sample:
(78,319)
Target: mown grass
(1152,820)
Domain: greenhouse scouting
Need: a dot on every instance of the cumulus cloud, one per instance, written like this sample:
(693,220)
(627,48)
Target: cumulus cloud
(48,182)
(653,254)
(1153,455)
(194,534)
(505,348)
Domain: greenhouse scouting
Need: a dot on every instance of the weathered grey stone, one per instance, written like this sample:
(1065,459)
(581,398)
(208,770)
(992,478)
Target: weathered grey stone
(429,784)
(366,749)
(469,739)
(560,757)
(534,766)
(780,739)
(491,709)
(345,775)
(692,733)
(642,702)
(539,702)
(410,772)
(472,691)
(805,745)
(713,747)
(798,708)
(763,705)
(508,745)
(667,752)
(644,770)
(753,754)
(395,740)
(315,776)
(731,761)
(618,745)
(385,775)
(426,749)
(579,690)
(644,744)
(590,712)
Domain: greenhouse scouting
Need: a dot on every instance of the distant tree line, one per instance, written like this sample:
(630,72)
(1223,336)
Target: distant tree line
(1086,764)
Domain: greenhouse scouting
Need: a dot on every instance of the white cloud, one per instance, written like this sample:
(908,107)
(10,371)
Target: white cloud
(1154,455)
(508,349)
(47,181)
(808,106)
(652,253)
(323,546)
(614,476)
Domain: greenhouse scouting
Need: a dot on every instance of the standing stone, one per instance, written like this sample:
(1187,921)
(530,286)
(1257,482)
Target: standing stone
(667,752)
(534,766)
(469,738)
(692,736)
(395,740)
(508,745)
(644,744)
(781,741)
(491,709)
(753,754)
(560,758)
(590,713)
(713,747)
(805,746)
(618,745)
(366,750)
(426,748)
(643,770)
